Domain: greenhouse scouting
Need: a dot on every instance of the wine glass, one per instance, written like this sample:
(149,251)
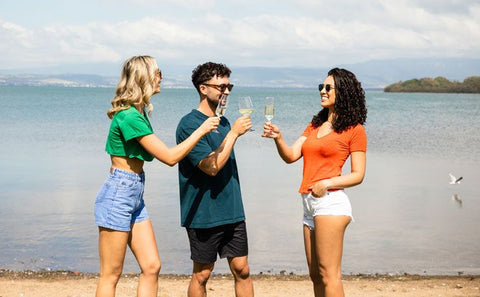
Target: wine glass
(245,106)
(269,108)
(221,108)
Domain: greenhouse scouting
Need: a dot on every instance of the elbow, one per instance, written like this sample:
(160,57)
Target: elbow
(169,162)
(288,160)
(359,179)
(212,172)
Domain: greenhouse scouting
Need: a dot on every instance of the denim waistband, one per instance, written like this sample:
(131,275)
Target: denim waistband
(127,174)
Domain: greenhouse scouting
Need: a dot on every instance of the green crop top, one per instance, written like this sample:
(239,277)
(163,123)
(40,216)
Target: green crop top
(126,126)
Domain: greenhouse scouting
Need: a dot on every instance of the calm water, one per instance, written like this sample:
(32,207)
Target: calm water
(53,162)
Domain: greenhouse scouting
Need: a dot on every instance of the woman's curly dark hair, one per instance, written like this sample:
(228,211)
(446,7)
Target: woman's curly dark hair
(350,106)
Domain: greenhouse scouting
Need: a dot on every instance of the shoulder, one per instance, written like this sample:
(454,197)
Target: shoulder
(357,134)
(310,127)
(193,118)
(354,131)
(358,128)
(189,123)
(130,113)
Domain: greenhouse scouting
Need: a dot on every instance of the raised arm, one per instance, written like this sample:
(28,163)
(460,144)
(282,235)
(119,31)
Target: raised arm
(173,155)
(289,154)
(215,161)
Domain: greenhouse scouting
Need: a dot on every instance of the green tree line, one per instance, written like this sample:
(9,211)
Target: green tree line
(436,85)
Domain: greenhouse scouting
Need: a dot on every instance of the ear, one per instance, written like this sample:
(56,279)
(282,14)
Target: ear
(203,89)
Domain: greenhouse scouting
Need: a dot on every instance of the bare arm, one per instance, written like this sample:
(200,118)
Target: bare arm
(355,177)
(173,155)
(215,161)
(289,154)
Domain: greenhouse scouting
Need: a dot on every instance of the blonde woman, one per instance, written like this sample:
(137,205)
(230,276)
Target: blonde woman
(120,212)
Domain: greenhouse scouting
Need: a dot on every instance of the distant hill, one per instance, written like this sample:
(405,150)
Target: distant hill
(372,74)
(64,80)
(436,85)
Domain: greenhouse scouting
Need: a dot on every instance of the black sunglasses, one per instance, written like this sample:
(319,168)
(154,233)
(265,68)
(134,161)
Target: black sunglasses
(328,87)
(221,87)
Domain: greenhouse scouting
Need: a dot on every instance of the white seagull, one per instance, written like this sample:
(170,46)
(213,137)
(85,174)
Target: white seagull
(454,180)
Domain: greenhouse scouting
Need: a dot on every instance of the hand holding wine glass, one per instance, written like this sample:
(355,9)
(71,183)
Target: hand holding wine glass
(245,106)
(270,130)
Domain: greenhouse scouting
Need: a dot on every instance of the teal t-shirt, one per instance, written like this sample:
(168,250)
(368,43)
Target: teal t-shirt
(126,126)
(207,201)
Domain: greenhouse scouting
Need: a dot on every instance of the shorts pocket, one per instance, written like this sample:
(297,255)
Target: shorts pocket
(318,198)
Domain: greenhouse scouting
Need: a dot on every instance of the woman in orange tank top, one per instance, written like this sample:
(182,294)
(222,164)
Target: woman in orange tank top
(333,135)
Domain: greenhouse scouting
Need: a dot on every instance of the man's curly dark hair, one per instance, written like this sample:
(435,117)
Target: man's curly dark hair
(350,105)
(204,72)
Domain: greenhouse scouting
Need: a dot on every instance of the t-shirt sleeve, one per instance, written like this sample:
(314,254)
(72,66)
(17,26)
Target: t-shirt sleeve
(358,141)
(200,151)
(134,125)
(307,130)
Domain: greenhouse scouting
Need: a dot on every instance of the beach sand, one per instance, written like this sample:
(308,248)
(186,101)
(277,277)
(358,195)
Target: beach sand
(76,284)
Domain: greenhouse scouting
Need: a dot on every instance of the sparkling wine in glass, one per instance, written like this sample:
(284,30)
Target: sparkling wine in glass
(245,106)
(269,108)
(221,108)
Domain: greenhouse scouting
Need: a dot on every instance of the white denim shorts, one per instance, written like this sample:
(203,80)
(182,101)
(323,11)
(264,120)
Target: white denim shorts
(335,203)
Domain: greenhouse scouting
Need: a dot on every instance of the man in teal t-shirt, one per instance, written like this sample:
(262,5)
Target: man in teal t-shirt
(207,201)
(210,198)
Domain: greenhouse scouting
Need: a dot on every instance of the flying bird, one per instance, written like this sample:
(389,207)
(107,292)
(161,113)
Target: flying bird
(454,180)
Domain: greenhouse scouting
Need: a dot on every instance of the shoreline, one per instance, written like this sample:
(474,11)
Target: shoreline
(77,283)
(71,275)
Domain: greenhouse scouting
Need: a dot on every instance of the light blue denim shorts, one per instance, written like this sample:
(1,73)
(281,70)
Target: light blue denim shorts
(120,201)
(335,203)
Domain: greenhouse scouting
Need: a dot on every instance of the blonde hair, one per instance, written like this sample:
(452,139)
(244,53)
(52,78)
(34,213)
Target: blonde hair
(136,85)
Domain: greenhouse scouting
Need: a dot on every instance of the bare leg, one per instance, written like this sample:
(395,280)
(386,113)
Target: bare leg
(241,272)
(112,246)
(312,262)
(144,247)
(328,248)
(198,283)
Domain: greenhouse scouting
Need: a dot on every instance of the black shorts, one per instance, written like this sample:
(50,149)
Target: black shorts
(229,241)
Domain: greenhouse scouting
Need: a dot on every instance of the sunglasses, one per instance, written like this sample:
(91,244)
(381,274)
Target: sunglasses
(328,87)
(221,87)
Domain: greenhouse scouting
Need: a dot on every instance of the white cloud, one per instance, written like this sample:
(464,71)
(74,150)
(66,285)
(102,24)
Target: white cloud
(312,33)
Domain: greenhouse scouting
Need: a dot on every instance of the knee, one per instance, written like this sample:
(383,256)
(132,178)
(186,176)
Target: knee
(241,271)
(111,276)
(202,276)
(152,268)
(328,276)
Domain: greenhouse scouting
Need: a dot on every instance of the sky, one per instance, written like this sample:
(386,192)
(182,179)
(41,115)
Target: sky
(266,33)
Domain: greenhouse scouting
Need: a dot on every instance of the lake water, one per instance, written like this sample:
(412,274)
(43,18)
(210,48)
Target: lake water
(53,163)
